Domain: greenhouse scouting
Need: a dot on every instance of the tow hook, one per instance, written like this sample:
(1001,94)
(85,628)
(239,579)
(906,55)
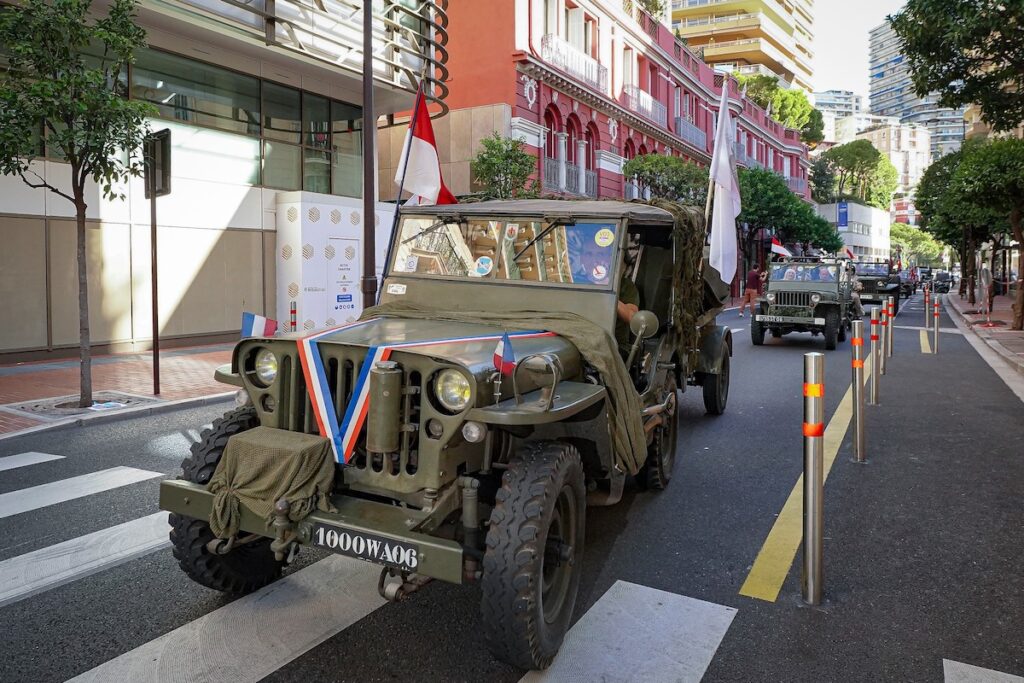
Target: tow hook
(283,545)
(396,591)
(223,546)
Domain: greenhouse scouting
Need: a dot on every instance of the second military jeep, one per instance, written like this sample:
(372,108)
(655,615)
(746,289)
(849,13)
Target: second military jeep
(454,456)
(879,281)
(805,295)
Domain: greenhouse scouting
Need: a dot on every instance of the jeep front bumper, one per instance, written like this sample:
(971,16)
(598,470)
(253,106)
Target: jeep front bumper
(364,529)
(788,319)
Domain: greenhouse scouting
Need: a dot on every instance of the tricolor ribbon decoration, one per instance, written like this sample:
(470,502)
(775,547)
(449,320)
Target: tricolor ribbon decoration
(343,434)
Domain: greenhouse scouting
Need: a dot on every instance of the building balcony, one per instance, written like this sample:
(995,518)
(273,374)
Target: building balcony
(409,41)
(551,175)
(797,185)
(569,178)
(642,103)
(743,158)
(691,133)
(564,56)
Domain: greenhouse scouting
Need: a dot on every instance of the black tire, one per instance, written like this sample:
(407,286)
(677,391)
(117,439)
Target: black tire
(842,330)
(756,333)
(531,576)
(247,567)
(716,387)
(831,329)
(661,455)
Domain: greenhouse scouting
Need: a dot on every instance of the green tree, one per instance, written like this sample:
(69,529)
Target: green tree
(823,181)
(881,184)
(768,203)
(67,75)
(503,168)
(813,131)
(968,52)
(916,245)
(790,107)
(992,176)
(803,224)
(669,177)
(760,88)
(853,163)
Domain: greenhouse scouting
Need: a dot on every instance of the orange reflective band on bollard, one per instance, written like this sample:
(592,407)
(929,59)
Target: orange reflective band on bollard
(857,341)
(857,363)
(814,429)
(885,322)
(816,390)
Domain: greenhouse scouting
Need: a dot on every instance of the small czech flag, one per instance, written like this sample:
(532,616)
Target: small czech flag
(257,326)
(504,357)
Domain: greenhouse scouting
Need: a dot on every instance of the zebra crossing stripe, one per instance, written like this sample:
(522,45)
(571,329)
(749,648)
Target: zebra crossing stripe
(35,497)
(666,637)
(56,565)
(255,635)
(958,672)
(24,459)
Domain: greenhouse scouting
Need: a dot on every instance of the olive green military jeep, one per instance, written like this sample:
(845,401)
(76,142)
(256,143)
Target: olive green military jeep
(878,280)
(458,459)
(805,295)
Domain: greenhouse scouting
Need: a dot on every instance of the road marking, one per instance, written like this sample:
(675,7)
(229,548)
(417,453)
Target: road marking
(636,633)
(958,672)
(926,346)
(35,497)
(772,564)
(25,459)
(56,565)
(927,329)
(256,635)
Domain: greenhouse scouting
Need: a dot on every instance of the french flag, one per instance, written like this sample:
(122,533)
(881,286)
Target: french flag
(850,254)
(777,248)
(504,357)
(419,169)
(257,326)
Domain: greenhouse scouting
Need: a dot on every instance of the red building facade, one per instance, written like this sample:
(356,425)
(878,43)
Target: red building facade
(588,85)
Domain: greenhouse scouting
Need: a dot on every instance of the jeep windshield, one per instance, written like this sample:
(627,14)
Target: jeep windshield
(804,272)
(578,254)
(872,269)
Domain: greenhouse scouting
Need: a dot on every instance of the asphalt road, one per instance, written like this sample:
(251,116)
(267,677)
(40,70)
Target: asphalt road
(923,547)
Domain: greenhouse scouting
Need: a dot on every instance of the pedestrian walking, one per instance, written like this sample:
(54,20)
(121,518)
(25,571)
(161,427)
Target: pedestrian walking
(752,289)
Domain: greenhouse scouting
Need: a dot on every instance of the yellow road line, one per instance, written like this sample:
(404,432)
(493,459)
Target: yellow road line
(772,565)
(926,346)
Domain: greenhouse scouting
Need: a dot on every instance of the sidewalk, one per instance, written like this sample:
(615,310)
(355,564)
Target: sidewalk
(1006,342)
(184,373)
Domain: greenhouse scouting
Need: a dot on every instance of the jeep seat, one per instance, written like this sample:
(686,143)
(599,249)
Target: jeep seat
(654,281)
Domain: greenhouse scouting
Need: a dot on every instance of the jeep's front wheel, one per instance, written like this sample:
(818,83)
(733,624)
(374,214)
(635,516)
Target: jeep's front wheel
(831,329)
(533,557)
(661,455)
(756,333)
(248,566)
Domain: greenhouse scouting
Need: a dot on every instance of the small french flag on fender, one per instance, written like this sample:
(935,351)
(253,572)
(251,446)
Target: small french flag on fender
(257,326)
(504,357)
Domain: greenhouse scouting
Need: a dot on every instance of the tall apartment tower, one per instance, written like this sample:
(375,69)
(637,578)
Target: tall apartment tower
(839,102)
(892,94)
(751,36)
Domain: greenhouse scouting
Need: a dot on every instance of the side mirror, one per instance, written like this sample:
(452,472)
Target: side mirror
(644,324)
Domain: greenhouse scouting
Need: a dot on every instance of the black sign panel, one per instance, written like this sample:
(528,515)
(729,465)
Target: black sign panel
(156,151)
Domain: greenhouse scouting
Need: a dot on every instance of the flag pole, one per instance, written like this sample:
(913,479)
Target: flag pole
(405,167)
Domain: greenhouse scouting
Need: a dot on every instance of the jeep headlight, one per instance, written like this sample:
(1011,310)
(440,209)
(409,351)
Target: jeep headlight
(266,366)
(815,298)
(770,297)
(452,390)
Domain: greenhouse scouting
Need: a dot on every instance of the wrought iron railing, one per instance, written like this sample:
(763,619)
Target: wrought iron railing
(630,190)
(691,133)
(409,35)
(798,185)
(645,105)
(572,178)
(551,174)
(591,188)
(565,56)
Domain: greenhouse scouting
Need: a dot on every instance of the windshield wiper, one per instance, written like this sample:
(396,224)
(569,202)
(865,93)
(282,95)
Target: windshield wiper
(541,234)
(432,228)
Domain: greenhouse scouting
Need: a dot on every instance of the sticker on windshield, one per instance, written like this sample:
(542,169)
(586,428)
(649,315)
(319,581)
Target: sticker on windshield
(411,263)
(604,237)
(396,288)
(599,273)
(511,231)
(483,266)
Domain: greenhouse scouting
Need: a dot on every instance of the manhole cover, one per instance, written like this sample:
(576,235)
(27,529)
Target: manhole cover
(103,401)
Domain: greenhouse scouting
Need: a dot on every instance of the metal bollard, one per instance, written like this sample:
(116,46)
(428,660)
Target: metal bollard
(814,432)
(876,362)
(884,333)
(857,347)
(935,344)
(927,299)
(889,348)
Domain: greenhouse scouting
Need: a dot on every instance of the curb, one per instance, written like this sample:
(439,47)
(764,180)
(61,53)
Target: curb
(1012,359)
(140,411)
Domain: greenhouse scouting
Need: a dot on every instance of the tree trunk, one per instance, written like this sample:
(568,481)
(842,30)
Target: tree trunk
(84,351)
(1016,217)
(971,259)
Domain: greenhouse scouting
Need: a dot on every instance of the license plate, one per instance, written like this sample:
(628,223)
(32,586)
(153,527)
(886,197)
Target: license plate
(369,547)
(770,319)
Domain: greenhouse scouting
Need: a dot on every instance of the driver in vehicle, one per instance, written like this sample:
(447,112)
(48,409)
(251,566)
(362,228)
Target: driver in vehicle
(596,268)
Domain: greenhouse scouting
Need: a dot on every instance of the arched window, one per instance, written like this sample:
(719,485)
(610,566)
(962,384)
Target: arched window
(574,133)
(593,139)
(642,151)
(629,150)
(553,124)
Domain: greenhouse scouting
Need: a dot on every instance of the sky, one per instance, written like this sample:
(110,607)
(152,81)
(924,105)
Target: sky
(841,42)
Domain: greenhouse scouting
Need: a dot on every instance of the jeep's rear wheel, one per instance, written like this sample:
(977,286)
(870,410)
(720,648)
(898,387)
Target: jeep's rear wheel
(756,333)
(661,455)
(246,567)
(534,551)
(716,387)
(831,329)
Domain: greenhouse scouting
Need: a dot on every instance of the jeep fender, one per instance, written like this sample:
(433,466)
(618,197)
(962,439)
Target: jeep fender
(715,342)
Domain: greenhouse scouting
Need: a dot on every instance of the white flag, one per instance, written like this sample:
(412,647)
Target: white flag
(727,194)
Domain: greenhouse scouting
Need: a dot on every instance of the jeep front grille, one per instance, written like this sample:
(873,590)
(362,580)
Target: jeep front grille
(792,299)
